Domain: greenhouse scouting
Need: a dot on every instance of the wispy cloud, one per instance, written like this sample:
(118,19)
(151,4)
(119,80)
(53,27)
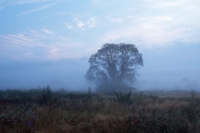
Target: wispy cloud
(18,39)
(34,10)
(79,23)
(47,31)
(154,31)
(158,23)
(39,8)
(40,44)
(30,1)
(91,22)
(83,25)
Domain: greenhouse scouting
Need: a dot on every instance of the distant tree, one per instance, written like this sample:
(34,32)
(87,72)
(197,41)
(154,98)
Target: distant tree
(114,67)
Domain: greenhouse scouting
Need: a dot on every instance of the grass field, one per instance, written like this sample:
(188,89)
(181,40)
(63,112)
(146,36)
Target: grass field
(44,111)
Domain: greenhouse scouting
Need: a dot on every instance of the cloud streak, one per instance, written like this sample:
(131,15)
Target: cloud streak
(39,8)
(31,1)
(41,44)
(34,10)
(154,29)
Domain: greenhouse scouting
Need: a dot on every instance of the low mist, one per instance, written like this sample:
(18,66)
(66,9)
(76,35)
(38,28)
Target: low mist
(66,74)
(70,75)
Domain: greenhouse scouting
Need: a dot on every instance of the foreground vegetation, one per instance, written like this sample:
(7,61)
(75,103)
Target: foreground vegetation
(43,111)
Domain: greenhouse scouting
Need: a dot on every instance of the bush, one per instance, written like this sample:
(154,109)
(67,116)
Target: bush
(46,94)
(123,98)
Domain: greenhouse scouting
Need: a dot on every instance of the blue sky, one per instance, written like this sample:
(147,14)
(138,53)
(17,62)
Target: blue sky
(51,40)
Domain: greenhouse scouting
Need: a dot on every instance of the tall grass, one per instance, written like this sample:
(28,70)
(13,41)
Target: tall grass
(43,110)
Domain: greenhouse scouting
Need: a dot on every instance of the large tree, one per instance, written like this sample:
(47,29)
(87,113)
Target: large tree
(114,66)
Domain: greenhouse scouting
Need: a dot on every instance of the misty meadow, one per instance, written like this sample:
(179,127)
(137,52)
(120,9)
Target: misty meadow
(115,105)
(97,66)
(42,110)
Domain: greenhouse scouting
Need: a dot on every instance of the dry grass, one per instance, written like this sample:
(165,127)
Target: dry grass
(102,114)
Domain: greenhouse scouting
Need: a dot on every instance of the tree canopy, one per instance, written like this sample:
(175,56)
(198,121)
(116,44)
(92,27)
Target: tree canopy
(114,65)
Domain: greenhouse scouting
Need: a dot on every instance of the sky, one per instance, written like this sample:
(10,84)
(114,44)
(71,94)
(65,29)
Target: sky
(50,41)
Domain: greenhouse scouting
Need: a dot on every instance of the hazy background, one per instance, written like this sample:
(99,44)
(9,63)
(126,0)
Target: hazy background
(50,41)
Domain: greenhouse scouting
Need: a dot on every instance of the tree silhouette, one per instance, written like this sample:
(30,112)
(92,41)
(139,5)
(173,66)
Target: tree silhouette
(114,66)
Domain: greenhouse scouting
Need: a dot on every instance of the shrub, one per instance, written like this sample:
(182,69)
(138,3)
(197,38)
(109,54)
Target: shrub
(123,98)
(46,94)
